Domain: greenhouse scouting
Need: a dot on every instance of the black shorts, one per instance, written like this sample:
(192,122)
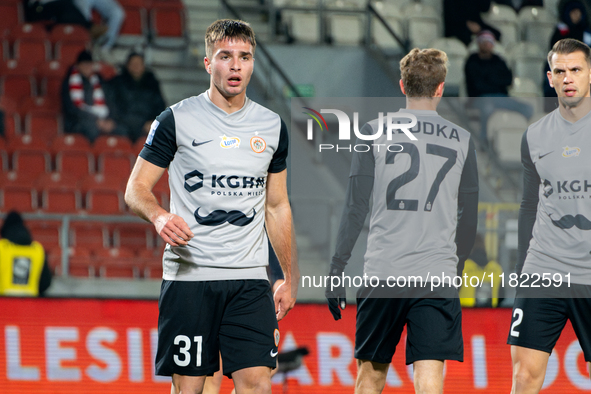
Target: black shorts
(433,329)
(538,322)
(198,320)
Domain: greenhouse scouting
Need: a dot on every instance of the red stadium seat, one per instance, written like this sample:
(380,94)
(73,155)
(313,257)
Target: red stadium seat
(61,199)
(26,142)
(100,182)
(46,125)
(70,142)
(10,15)
(134,30)
(56,179)
(12,125)
(105,202)
(31,51)
(116,263)
(46,232)
(39,104)
(75,162)
(105,70)
(17,193)
(110,143)
(115,164)
(89,235)
(168,24)
(79,262)
(3,156)
(28,31)
(135,236)
(51,75)
(69,33)
(17,81)
(151,263)
(33,162)
(67,52)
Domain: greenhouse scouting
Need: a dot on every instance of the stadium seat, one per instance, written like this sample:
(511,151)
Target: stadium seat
(41,124)
(16,193)
(525,87)
(80,263)
(67,52)
(527,60)
(46,232)
(88,235)
(135,236)
(56,179)
(116,263)
(3,156)
(504,18)
(10,15)
(12,125)
(134,31)
(151,263)
(105,70)
(31,51)
(69,33)
(505,129)
(115,164)
(382,37)
(76,162)
(303,26)
(105,143)
(71,142)
(345,29)
(61,199)
(422,24)
(39,104)
(167,24)
(32,162)
(537,25)
(105,202)
(51,74)
(17,80)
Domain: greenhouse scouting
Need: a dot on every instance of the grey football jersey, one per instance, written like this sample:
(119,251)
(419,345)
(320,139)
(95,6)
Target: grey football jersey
(558,154)
(415,196)
(218,165)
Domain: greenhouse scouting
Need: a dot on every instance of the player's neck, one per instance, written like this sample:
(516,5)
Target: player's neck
(573,114)
(426,104)
(227,104)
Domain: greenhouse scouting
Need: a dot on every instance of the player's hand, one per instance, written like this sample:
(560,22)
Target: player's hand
(335,291)
(283,300)
(173,229)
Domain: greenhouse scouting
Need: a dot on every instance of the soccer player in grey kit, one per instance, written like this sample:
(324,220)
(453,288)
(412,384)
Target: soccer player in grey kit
(226,158)
(555,222)
(425,197)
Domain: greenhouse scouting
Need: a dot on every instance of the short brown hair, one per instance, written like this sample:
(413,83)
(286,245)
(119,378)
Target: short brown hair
(569,45)
(422,70)
(223,29)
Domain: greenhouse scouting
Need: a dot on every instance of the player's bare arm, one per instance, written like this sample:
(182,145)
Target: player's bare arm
(279,228)
(138,195)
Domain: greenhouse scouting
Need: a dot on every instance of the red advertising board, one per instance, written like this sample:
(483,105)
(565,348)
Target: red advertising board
(107,346)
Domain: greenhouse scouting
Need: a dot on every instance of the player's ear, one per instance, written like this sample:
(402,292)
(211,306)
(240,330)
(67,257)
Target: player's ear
(440,88)
(549,75)
(207,64)
(402,86)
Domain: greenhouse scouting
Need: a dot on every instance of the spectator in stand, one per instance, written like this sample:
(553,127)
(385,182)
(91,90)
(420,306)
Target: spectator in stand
(462,19)
(488,78)
(23,264)
(61,11)
(137,94)
(113,14)
(84,105)
(574,23)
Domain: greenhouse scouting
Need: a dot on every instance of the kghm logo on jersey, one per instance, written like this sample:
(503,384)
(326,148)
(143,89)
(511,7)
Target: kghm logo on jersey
(571,151)
(229,142)
(258,144)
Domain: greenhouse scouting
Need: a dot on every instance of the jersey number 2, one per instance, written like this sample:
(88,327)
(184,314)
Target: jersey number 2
(409,175)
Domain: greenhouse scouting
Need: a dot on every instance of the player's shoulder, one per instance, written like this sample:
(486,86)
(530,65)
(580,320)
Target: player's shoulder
(542,126)
(189,104)
(261,112)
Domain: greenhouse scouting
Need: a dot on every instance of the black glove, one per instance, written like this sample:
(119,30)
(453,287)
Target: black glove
(335,291)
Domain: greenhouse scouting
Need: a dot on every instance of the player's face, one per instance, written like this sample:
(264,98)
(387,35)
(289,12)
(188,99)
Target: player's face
(570,76)
(230,66)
